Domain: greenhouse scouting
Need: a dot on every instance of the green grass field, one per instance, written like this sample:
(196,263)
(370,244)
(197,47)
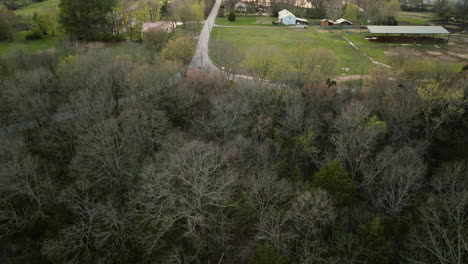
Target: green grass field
(246,21)
(37,7)
(285,40)
(28,46)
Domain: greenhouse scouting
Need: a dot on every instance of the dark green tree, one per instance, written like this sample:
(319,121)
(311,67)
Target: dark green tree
(333,178)
(164,11)
(232,17)
(6,25)
(266,254)
(372,239)
(87,19)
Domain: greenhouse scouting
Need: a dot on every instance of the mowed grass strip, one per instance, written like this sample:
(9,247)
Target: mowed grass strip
(246,21)
(285,40)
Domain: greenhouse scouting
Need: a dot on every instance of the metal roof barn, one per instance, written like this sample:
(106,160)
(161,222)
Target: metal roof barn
(407,30)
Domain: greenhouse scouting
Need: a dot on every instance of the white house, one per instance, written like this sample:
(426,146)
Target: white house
(287,18)
(241,7)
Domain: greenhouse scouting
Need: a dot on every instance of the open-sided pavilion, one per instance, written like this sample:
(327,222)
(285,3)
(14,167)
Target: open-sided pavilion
(409,31)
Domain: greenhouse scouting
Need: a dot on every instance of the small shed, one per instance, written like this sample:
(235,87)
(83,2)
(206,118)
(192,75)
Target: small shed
(240,7)
(167,26)
(326,22)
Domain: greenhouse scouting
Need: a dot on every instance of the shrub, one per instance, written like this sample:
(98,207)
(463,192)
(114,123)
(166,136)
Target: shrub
(232,17)
(333,178)
(180,49)
(34,35)
(6,25)
(155,39)
(266,254)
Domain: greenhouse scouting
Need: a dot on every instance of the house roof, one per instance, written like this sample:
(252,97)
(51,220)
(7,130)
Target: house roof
(407,30)
(342,20)
(159,24)
(301,19)
(285,13)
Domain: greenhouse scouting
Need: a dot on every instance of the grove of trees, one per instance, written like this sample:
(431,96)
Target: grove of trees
(123,155)
(149,168)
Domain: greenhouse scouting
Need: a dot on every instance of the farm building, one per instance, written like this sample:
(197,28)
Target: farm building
(241,7)
(343,22)
(398,33)
(168,26)
(287,18)
(339,22)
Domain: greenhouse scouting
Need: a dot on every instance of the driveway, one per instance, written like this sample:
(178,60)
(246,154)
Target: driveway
(201,59)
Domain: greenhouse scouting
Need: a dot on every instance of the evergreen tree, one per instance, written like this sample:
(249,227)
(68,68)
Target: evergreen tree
(232,17)
(164,9)
(87,19)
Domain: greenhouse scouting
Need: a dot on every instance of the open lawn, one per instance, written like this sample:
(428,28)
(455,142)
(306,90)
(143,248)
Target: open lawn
(246,21)
(28,46)
(286,40)
(416,18)
(37,7)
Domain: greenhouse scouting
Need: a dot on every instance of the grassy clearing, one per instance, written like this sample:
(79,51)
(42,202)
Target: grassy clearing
(286,40)
(416,18)
(246,21)
(29,46)
(37,7)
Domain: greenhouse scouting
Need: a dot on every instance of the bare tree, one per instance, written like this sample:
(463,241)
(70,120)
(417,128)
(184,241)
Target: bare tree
(98,235)
(104,156)
(356,136)
(393,178)
(442,235)
(334,8)
(21,179)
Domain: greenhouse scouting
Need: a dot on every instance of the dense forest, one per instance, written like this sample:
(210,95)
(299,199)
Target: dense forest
(132,158)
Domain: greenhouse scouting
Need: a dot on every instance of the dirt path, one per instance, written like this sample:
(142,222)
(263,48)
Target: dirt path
(345,78)
(363,53)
